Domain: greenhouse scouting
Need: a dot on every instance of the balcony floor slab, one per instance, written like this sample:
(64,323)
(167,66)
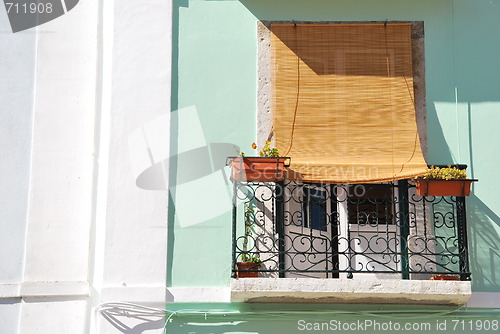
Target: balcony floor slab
(350,291)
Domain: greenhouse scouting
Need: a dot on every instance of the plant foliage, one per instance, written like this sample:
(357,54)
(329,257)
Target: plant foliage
(249,225)
(268,151)
(445,173)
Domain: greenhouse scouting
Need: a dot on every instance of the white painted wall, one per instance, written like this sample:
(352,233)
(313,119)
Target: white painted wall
(17,72)
(9,314)
(136,219)
(77,229)
(55,281)
(91,235)
(131,223)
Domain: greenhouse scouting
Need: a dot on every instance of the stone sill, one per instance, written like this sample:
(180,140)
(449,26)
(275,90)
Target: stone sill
(350,291)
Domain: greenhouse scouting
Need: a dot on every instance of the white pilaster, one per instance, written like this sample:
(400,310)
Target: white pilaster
(54,288)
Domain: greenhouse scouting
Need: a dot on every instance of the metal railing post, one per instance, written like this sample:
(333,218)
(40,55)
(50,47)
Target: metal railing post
(404,226)
(280,226)
(462,239)
(233,268)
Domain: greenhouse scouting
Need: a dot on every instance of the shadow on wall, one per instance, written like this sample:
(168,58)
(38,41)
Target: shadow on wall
(202,326)
(175,52)
(257,318)
(326,320)
(138,329)
(132,318)
(484,250)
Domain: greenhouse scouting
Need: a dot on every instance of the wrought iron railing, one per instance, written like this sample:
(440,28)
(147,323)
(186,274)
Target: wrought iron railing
(331,231)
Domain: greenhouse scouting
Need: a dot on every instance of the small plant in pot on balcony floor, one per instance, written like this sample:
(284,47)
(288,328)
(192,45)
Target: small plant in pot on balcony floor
(444,181)
(267,167)
(249,264)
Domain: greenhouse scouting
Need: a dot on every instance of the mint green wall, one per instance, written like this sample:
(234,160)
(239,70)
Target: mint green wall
(215,69)
(477,50)
(355,319)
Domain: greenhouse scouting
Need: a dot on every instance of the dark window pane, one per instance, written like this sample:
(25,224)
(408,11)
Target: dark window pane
(315,212)
(371,205)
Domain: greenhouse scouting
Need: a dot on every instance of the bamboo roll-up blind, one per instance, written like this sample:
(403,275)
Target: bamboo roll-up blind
(343,102)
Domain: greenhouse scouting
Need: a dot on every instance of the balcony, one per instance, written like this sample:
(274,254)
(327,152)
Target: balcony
(365,243)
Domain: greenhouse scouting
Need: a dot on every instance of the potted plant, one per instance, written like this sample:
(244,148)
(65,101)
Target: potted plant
(445,277)
(267,167)
(249,264)
(444,181)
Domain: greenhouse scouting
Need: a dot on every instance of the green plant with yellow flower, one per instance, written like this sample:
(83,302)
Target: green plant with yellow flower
(445,173)
(265,151)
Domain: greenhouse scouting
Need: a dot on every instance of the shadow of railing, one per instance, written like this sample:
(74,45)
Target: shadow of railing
(484,249)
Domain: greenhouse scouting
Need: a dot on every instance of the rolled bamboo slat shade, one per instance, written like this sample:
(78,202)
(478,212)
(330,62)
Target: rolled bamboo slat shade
(343,103)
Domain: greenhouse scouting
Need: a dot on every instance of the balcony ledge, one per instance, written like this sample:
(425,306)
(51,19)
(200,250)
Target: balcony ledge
(350,291)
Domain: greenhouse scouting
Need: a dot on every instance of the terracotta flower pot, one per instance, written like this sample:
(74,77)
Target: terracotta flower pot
(258,169)
(247,266)
(429,187)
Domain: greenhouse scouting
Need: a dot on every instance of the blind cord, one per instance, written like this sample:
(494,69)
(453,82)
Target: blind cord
(414,106)
(290,144)
(388,70)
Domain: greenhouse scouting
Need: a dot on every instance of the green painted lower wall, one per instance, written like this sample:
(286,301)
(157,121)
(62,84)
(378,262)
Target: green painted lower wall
(215,70)
(263,319)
